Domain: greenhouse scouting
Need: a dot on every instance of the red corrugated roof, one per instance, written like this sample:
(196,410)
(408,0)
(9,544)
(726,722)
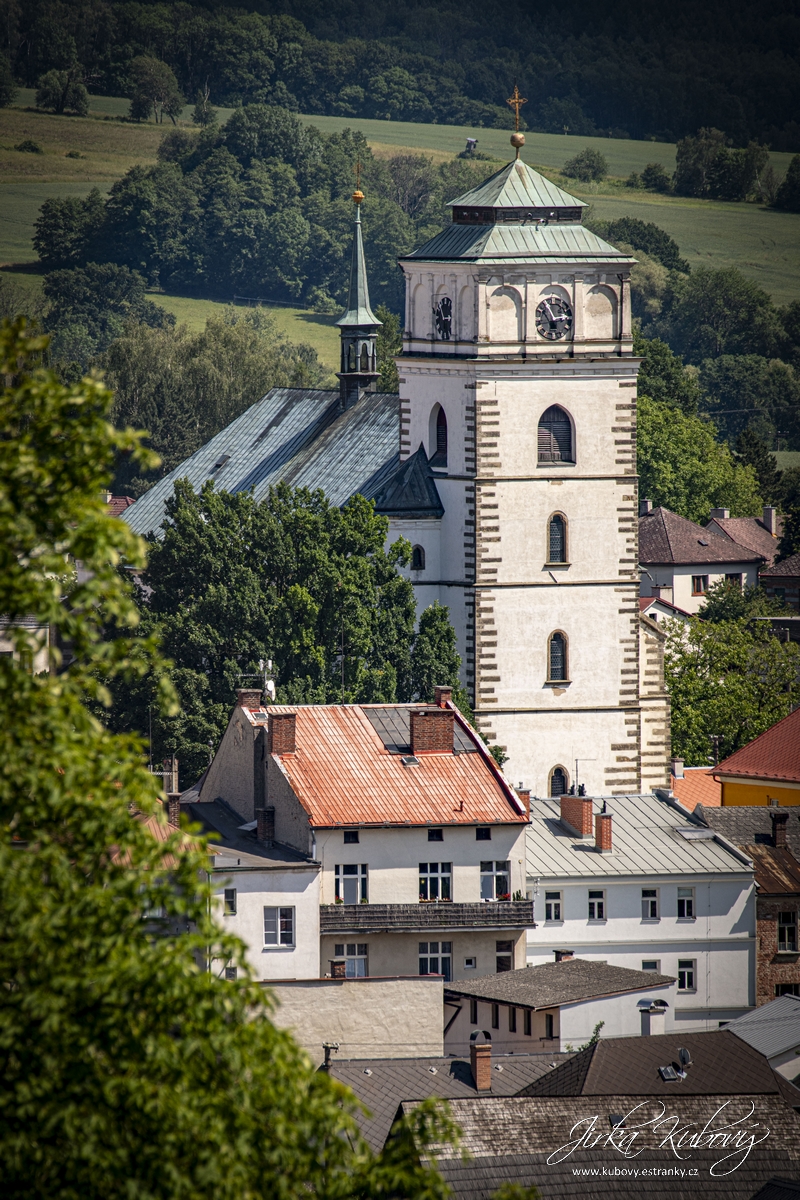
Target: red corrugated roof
(698,786)
(774,754)
(343,774)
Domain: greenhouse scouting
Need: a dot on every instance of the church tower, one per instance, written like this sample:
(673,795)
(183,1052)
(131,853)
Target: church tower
(518,385)
(358,326)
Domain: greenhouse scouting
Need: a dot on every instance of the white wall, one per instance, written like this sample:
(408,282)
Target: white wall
(677,579)
(296,887)
(391,953)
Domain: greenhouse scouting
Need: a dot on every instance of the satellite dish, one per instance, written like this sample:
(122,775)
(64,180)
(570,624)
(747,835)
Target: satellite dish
(685,1058)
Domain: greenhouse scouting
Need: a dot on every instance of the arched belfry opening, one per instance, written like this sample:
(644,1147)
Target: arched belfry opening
(358,326)
(438,437)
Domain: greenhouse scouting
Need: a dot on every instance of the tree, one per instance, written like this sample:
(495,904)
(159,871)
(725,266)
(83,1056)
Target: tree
(390,344)
(732,679)
(655,178)
(747,390)
(414,182)
(8,88)
(790,502)
(683,467)
(128,1068)
(787,196)
(644,235)
(435,659)
(65,228)
(720,312)
(751,451)
(155,89)
(706,166)
(727,600)
(587,166)
(204,113)
(663,376)
(63,90)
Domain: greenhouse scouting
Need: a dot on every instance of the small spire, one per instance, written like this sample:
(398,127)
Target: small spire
(358,310)
(358,326)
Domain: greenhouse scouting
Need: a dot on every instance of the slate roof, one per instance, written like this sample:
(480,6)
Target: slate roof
(771,1029)
(789,567)
(698,786)
(751,824)
(664,537)
(552,984)
(343,772)
(233,846)
(650,836)
(779,1189)
(516,185)
(749,532)
(774,754)
(411,490)
(292,434)
(518,244)
(392,1080)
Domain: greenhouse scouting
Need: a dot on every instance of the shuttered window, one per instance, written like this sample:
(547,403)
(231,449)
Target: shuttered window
(555,436)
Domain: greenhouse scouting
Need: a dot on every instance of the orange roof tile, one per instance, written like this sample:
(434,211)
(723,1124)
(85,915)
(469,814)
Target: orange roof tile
(118,504)
(343,774)
(774,754)
(698,786)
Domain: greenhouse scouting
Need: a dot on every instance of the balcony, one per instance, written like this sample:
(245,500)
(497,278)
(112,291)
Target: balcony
(399,918)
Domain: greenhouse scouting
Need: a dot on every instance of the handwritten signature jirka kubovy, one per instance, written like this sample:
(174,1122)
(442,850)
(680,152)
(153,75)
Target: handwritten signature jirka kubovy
(666,1131)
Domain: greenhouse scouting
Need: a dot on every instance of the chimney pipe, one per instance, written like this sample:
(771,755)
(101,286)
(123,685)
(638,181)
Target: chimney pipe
(562,955)
(442,696)
(525,796)
(769,520)
(722,513)
(480,1059)
(576,814)
(174,809)
(677,768)
(602,832)
(645,507)
(265,825)
(248,698)
(653,1020)
(779,822)
(432,731)
(282,733)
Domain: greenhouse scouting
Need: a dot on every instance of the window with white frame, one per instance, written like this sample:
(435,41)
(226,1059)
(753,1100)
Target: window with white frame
(685,903)
(787,931)
(470,963)
(278,926)
(597,906)
(495,881)
(354,955)
(686,974)
(649,904)
(552,906)
(230,902)
(651,964)
(435,881)
(504,960)
(351,883)
(435,958)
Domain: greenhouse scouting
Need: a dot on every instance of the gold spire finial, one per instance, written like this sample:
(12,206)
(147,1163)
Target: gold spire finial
(516,102)
(358,195)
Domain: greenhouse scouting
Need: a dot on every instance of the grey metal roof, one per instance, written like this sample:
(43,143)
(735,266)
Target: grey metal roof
(500,243)
(555,983)
(771,1029)
(358,311)
(296,435)
(646,840)
(516,185)
(392,723)
(235,846)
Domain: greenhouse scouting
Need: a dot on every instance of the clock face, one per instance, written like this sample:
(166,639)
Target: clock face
(443,314)
(553,318)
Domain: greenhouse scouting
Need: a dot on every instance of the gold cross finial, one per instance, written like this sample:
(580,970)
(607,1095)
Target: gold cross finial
(358,195)
(516,102)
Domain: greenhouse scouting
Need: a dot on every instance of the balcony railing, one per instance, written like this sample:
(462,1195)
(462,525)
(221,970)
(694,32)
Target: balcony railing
(374,918)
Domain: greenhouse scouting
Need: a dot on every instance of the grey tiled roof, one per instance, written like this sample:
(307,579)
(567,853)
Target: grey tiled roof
(232,846)
(646,840)
(749,825)
(664,537)
(551,984)
(779,1189)
(411,490)
(382,1084)
(788,567)
(292,434)
(519,243)
(392,723)
(771,1029)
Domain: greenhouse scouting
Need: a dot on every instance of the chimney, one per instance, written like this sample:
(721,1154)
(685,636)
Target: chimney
(282,733)
(677,768)
(442,696)
(645,507)
(563,955)
(525,796)
(265,825)
(602,832)
(769,520)
(480,1059)
(722,513)
(248,697)
(174,809)
(653,1020)
(576,814)
(779,822)
(432,732)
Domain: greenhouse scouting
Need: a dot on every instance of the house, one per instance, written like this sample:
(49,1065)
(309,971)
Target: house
(556,1005)
(774,1030)
(759,534)
(669,1117)
(770,836)
(679,560)
(419,837)
(782,580)
(658,609)
(766,770)
(639,882)
(694,785)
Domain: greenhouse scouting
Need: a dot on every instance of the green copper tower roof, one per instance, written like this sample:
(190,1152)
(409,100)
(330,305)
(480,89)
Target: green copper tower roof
(516,185)
(358,311)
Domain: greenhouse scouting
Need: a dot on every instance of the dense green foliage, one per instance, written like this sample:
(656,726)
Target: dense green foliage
(707,166)
(63,91)
(727,600)
(790,501)
(748,391)
(751,451)
(788,193)
(589,164)
(8,88)
(154,90)
(643,235)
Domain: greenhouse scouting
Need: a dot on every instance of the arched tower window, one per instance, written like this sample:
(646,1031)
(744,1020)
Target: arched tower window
(418,558)
(364,358)
(557,539)
(555,436)
(351,358)
(559,782)
(440,454)
(557,658)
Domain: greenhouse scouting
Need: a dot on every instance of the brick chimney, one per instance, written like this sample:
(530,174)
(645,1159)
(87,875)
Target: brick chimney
(442,696)
(779,822)
(174,809)
(653,1020)
(265,825)
(562,955)
(769,520)
(602,832)
(645,507)
(480,1059)
(576,814)
(282,733)
(432,732)
(248,698)
(525,796)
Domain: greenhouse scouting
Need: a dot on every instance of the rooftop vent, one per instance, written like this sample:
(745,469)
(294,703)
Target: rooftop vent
(220,463)
(645,507)
(722,513)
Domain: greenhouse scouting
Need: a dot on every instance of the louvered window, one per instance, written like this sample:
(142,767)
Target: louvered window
(557,547)
(555,436)
(440,457)
(558,782)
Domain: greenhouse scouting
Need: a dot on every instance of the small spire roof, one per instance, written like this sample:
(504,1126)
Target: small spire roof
(358,307)
(516,185)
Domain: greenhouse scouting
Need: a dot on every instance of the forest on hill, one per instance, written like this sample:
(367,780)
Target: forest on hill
(637,70)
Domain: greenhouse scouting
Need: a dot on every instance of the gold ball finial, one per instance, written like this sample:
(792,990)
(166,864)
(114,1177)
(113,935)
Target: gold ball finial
(358,196)
(518,141)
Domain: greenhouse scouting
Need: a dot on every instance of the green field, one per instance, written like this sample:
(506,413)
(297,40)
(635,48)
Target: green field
(788,460)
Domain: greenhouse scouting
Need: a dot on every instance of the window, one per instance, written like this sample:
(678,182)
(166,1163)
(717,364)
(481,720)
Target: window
(787,989)
(436,961)
(557,539)
(548,1025)
(699,585)
(597,906)
(686,974)
(685,904)
(355,958)
(526,1022)
(651,964)
(495,881)
(483,835)
(787,931)
(649,904)
(440,455)
(417,558)
(230,974)
(504,959)
(230,902)
(552,906)
(559,782)
(435,835)
(351,837)
(734,579)
(555,436)
(557,658)
(495,1016)
(473,1012)
(351,883)
(278,926)
(435,881)
(470,963)
(512,1020)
